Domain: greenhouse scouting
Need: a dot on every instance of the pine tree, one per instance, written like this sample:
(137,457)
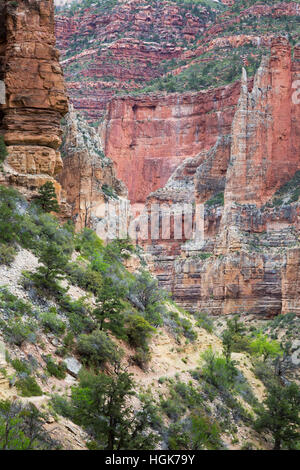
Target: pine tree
(109,307)
(52,268)
(47,199)
(101,403)
(280,416)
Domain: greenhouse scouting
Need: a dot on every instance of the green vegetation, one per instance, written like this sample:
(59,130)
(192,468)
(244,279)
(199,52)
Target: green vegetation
(47,198)
(204,321)
(109,191)
(54,369)
(262,346)
(52,323)
(3,150)
(109,307)
(97,349)
(99,6)
(22,428)
(191,414)
(280,416)
(7,254)
(107,397)
(29,387)
(216,200)
(288,193)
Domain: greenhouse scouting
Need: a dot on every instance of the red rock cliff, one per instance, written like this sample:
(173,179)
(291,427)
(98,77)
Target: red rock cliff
(88,177)
(147,137)
(35,98)
(249,261)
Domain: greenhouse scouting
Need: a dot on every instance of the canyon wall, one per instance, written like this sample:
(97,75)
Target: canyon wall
(123,46)
(88,177)
(248,261)
(34,95)
(147,137)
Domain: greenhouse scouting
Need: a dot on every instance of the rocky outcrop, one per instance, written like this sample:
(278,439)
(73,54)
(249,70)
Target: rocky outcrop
(125,45)
(122,46)
(147,137)
(35,97)
(88,177)
(264,152)
(248,262)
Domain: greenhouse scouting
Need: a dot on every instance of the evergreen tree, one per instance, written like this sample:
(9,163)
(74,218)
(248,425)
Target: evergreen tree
(101,404)
(109,307)
(47,199)
(281,416)
(53,267)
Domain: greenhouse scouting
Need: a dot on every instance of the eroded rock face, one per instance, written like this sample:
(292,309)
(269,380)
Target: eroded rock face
(249,260)
(264,132)
(35,97)
(135,39)
(88,177)
(147,137)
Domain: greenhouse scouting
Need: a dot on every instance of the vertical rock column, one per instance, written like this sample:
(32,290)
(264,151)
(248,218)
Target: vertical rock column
(262,157)
(35,97)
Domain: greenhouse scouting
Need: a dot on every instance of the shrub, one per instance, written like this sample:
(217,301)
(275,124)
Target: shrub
(217,370)
(145,290)
(264,347)
(52,267)
(7,254)
(13,306)
(52,323)
(29,387)
(280,416)
(85,277)
(87,242)
(22,428)
(10,219)
(173,408)
(78,313)
(178,325)
(139,331)
(188,331)
(97,348)
(18,331)
(21,366)
(56,370)
(142,358)
(204,321)
(216,200)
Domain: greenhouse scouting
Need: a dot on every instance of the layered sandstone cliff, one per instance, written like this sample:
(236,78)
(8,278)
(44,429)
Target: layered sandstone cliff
(122,46)
(248,262)
(88,178)
(34,94)
(108,47)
